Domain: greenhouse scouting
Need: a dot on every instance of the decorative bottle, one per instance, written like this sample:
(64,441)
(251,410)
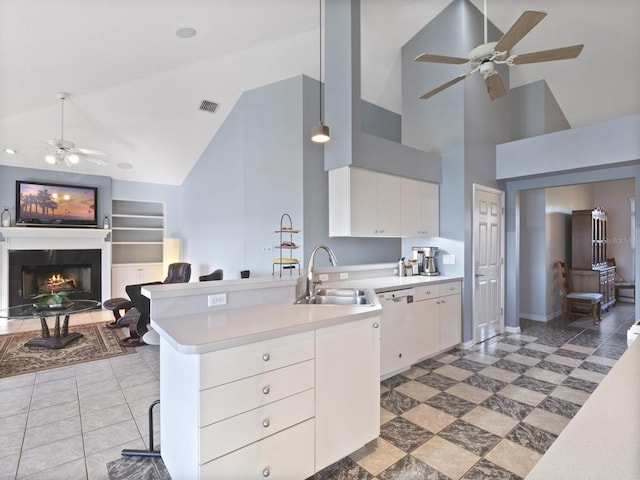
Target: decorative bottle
(6,217)
(105,223)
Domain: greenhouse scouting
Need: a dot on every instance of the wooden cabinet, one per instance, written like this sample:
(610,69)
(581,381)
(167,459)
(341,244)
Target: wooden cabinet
(281,408)
(347,389)
(123,275)
(588,238)
(600,279)
(364,203)
(420,206)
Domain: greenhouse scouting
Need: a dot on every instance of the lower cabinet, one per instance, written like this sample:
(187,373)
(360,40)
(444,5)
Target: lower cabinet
(347,389)
(431,324)
(123,275)
(270,409)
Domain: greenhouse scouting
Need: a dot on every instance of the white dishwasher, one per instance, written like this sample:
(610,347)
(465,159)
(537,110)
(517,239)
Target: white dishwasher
(397,351)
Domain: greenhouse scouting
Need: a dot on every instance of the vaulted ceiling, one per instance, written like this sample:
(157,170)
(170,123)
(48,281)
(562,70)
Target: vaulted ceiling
(136,87)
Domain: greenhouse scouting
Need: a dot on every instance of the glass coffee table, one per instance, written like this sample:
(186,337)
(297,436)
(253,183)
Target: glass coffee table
(60,337)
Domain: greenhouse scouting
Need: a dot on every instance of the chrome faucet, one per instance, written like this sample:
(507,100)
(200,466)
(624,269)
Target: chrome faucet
(312,257)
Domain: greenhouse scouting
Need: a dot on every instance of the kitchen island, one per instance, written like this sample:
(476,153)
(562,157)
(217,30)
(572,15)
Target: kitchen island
(275,390)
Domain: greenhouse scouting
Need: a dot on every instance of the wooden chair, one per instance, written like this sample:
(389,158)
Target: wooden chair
(571,298)
(620,282)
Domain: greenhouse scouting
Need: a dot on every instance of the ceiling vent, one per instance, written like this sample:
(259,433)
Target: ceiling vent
(208,106)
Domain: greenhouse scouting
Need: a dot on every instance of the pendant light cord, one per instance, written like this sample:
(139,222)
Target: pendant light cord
(320,82)
(62,121)
(485,21)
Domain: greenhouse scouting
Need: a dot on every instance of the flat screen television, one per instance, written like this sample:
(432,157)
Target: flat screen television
(49,204)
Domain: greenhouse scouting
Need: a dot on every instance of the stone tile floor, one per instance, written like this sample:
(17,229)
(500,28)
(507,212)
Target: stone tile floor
(489,412)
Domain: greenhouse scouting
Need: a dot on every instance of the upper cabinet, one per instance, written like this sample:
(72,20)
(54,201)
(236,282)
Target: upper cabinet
(420,208)
(364,203)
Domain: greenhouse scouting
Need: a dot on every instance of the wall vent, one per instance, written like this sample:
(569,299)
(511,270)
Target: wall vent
(208,106)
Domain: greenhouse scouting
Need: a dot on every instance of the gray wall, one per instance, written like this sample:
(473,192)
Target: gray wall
(260,165)
(9,175)
(461,123)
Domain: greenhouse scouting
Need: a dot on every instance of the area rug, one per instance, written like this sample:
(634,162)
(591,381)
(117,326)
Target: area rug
(98,342)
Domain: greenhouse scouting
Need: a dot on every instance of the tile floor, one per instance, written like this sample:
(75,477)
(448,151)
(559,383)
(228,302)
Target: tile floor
(490,412)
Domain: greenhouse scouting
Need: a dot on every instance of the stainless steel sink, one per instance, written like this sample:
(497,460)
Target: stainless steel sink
(340,292)
(337,300)
(336,296)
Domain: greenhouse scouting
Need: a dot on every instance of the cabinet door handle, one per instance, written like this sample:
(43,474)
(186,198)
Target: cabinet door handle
(266,390)
(375,325)
(266,357)
(266,472)
(266,423)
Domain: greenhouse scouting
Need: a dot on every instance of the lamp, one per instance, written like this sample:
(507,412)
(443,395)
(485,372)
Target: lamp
(320,131)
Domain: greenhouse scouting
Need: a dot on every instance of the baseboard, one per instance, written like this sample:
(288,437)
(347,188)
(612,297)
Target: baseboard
(468,344)
(536,318)
(512,329)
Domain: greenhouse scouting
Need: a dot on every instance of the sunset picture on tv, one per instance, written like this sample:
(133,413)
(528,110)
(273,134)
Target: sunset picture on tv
(56,204)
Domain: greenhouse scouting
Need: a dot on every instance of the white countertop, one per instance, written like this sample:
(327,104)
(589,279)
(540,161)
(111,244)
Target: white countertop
(386,284)
(211,330)
(216,330)
(603,440)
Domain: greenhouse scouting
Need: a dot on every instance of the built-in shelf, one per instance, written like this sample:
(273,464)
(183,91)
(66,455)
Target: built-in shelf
(137,231)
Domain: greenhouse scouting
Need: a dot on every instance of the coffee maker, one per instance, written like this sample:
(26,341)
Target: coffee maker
(426,258)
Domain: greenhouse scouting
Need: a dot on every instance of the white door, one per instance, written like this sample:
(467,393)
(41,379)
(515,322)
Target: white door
(488,253)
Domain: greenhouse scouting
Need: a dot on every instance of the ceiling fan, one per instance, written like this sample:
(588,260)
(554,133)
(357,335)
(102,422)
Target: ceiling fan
(65,151)
(485,57)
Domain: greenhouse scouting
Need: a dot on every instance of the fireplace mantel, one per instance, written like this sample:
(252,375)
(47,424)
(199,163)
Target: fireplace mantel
(39,233)
(54,238)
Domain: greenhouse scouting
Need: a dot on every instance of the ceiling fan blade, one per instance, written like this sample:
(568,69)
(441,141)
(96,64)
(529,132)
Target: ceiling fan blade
(443,86)
(562,53)
(495,87)
(428,57)
(98,161)
(518,30)
(87,151)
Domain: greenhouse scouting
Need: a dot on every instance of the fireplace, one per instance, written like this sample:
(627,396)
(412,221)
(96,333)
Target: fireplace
(75,272)
(90,271)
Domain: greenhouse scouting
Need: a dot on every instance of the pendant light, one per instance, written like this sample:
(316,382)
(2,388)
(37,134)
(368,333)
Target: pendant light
(320,132)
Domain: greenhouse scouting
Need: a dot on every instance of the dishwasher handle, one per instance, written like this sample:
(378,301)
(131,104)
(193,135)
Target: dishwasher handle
(409,299)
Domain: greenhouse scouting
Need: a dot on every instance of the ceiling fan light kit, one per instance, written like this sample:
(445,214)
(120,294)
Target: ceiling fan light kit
(65,151)
(485,57)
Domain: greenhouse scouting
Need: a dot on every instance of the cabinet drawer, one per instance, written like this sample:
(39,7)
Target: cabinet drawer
(450,288)
(236,432)
(233,398)
(426,292)
(217,368)
(284,456)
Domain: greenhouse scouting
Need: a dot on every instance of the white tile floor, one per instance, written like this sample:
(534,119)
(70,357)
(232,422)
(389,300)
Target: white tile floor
(67,423)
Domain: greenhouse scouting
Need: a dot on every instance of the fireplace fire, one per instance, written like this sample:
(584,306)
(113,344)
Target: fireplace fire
(32,272)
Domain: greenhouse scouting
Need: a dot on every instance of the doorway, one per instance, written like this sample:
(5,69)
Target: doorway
(488,262)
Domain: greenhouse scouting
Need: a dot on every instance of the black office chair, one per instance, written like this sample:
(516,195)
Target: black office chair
(215,275)
(137,307)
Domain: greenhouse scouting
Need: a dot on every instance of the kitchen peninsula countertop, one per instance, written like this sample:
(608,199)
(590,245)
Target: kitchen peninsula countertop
(216,330)
(603,439)
(211,329)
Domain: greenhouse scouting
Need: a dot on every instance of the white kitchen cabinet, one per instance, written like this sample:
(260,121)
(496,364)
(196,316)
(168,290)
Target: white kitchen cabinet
(426,314)
(347,389)
(131,274)
(450,314)
(280,408)
(420,206)
(364,203)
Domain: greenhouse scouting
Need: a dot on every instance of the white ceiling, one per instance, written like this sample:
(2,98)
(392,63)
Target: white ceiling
(136,87)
